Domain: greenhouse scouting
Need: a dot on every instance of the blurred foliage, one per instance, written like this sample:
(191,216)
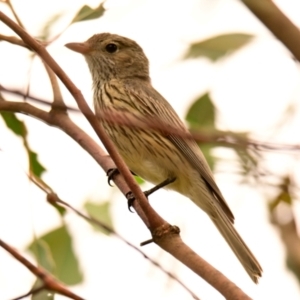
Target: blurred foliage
(283,196)
(46,261)
(43,294)
(216,47)
(201,115)
(248,161)
(61,210)
(139,180)
(100,212)
(88,13)
(19,128)
(47,28)
(54,252)
(282,216)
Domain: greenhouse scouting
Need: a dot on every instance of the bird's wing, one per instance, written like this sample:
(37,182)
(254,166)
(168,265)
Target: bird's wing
(147,95)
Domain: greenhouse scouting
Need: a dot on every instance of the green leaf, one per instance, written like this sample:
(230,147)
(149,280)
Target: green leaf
(216,47)
(60,246)
(42,250)
(100,212)
(61,210)
(19,128)
(14,124)
(35,166)
(88,13)
(139,180)
(283,196)
(43,294)
(201,114)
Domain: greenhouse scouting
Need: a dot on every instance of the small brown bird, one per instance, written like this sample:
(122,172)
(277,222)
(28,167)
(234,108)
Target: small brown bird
(121,82)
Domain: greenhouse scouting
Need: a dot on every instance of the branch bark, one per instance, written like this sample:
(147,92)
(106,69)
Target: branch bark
(50,282)
(277,22)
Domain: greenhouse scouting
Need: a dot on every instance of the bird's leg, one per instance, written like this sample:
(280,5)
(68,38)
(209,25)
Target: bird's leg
(130,197)
(112,172)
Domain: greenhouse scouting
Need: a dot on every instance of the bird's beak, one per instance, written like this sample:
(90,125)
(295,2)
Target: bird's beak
(82,48)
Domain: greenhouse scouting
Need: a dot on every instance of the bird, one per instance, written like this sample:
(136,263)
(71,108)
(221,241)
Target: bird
(122,84)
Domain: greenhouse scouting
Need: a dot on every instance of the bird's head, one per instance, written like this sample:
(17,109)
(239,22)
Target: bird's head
(112,56)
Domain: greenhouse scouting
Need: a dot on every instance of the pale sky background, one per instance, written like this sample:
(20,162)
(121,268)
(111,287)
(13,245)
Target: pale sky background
(251,89)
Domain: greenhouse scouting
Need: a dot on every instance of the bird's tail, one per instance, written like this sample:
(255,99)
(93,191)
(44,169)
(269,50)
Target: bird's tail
(238,246)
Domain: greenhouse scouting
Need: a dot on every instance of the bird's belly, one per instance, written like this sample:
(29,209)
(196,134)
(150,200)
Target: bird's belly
(149,155)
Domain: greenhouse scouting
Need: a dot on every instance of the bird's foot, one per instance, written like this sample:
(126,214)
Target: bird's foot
(130,197)
(112,172)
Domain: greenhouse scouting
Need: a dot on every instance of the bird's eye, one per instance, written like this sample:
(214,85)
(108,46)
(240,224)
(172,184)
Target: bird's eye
(111,48)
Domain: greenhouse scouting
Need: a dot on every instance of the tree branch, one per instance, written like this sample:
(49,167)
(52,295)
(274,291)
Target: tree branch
(278,23)
(50,282)
(13,40)
(14,13)
(228,139)
(53,198)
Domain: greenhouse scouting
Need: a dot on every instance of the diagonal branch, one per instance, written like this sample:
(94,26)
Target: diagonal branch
(13,40)
(229,139)
(14,13)
(49,281)
(277,22)
(154,220)
(53,198)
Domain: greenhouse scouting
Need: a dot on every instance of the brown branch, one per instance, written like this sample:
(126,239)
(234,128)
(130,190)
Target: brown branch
(27,109)
(278,23)
(13,40)
(63,122)
(223,138)
(219,137)
(193,261)
(14,13)
(38,100)
(58,102)
(53,198)
(154,220)
(49,281)
(280,211)
(31,292)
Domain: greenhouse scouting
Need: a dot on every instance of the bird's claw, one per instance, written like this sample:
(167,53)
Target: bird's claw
(110,174)
(130,199)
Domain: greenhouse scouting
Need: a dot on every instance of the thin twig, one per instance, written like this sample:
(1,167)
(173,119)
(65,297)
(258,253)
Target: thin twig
(31,292)
(58,101)
(154,220)
(13,40)
(57,105)
(53,198)
(15,14)
(50,282)
(219,137)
